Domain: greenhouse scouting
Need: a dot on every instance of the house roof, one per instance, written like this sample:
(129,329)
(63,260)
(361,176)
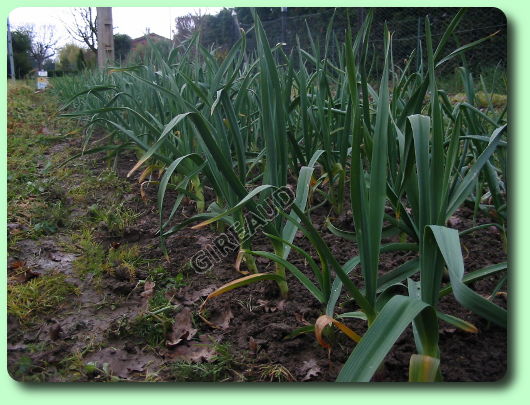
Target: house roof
(151,36)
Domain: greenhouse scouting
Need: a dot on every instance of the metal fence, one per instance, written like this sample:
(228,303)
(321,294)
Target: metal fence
(406,26)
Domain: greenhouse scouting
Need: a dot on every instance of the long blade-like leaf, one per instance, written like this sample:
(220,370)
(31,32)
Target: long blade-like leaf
(395,316)
(448,243)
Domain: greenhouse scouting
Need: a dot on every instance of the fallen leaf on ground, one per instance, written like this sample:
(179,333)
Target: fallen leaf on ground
(146,294)
(14,228)
(190,297)
(121,363)
(221,317)
(195,352)
(16,264)
(255,345)
(252,345)
(310,369)
(272,306)
(20,273)
(300,318)
(182,329)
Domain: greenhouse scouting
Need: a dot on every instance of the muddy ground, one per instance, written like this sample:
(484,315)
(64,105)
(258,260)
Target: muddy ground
(129,312)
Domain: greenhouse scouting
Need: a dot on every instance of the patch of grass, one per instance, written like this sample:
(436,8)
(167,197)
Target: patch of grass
(163,278)
(35,217)
(36,201)
(158,300)
(95,187)
(121,262)
(149,329)
(36,347)
(50,218)
(22,368)
(92,258)
(115,218)
(39,295)
(73,368)
(126,258)
(275,372)
(218,370)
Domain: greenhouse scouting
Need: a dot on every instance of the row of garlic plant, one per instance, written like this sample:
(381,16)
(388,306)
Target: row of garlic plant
(242,126)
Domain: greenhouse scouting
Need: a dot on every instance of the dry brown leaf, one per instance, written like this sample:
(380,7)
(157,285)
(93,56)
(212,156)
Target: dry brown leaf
(147,171)
(230,286)
(239,259)
(310,369)
(222,317)
(272,306)
(190,297)
(121,363)
(300,318)
(19,273)
(196,352)
(255,345)
(325,320)
(143,194)
(16,264)
(182,329)
(146,294)
(14,228)
(252,345)
(148,291)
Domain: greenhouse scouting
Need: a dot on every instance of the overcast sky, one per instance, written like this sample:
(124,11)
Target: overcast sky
(132,21)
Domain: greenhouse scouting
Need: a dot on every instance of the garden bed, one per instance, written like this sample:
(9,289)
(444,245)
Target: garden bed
(106,254)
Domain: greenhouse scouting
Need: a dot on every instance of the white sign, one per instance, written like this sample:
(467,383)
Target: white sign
(42,83)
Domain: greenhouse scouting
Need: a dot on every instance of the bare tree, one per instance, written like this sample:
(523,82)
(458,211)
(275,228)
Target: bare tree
(82,27)
(43,44)
(187,25)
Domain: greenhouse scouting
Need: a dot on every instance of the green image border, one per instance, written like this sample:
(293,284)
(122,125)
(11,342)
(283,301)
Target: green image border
(512,389)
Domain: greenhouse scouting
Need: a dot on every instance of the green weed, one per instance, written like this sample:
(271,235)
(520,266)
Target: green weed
(115,218)
(218,370)
(92,258)
(38,296)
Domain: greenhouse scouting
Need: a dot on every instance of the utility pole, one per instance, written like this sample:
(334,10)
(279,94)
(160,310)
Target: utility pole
(105,37)
(236,24)
(10,51)
(238,32)
(283,14)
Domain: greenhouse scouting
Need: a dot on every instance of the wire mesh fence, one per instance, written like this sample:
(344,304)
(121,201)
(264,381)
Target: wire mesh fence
(407,26)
